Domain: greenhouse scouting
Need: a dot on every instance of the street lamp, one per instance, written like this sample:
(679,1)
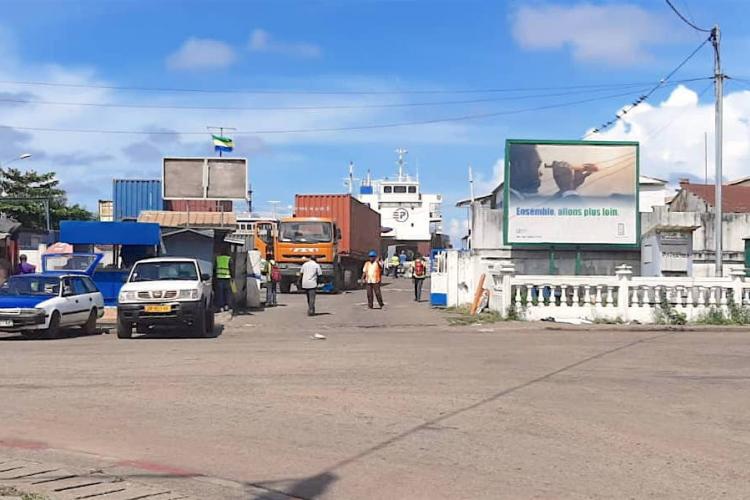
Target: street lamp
(19,157)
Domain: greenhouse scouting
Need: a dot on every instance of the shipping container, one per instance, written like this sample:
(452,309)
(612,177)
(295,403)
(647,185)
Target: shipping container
(359,224)
(132,196)
(199,206)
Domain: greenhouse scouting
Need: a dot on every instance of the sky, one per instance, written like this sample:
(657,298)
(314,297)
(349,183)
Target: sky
(449,81)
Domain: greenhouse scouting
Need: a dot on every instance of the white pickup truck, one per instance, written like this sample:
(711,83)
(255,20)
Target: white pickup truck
(166,291)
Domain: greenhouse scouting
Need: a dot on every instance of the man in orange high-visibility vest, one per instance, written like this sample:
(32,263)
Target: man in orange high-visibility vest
(372,274)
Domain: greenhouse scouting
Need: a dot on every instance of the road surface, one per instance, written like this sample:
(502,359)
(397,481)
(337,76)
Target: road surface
(393,404)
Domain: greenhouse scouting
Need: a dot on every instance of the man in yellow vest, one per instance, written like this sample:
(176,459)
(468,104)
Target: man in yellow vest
(223,272)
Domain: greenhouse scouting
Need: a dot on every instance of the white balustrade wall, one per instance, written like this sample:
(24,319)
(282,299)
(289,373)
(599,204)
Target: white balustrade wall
(620,297)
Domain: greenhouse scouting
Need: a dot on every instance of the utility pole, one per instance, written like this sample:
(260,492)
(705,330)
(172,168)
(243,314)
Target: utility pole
(471,205)
(719,87)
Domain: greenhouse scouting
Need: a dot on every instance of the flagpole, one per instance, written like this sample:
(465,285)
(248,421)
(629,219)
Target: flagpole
(221,134)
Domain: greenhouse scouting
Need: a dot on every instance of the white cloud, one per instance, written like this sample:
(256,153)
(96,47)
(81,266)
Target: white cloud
(457,229)
(202,53)
(262,41)
(671,135)
(484,184)
(616,34)
(87,162)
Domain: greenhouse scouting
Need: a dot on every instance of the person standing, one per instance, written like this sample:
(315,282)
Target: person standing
(24,267)
(309,275)
(395,262)
(418,275)
(272,276)
(223,272)
(372,275)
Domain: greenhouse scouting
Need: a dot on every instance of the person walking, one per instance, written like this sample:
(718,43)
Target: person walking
(24,267)
(272,275)
(372,275)
(309,275)
(419,274)
(223,272)
(395,262)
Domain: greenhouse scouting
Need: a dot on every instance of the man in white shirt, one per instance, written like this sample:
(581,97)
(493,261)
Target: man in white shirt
(309,275)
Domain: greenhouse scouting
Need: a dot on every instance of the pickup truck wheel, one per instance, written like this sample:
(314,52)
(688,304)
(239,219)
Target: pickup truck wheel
(53,330)
(199,326)
(124,329)
(210,323)
(89,327)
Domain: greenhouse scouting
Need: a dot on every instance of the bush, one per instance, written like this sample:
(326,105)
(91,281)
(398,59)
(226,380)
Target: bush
(665,314)
(735,315)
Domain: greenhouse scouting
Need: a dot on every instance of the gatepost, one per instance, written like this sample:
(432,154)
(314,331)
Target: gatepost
(624,274)
(507,271)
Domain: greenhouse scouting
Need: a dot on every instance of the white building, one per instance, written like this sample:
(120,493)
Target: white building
(408,216)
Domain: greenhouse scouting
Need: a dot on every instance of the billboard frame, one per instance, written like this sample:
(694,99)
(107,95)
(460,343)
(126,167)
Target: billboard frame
(205,160)
(573,246)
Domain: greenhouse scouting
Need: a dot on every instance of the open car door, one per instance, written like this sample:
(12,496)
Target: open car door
(72,263)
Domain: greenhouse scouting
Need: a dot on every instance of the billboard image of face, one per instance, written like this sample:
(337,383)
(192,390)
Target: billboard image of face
(571,193)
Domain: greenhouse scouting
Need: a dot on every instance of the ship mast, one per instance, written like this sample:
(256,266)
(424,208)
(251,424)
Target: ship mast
(401,152)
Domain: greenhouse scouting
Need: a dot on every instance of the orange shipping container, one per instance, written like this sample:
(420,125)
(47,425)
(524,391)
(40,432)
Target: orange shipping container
(359,224)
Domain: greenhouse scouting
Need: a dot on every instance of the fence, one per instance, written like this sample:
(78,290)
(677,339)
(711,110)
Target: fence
(619,297)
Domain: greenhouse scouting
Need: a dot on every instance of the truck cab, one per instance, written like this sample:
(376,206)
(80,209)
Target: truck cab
(302,237)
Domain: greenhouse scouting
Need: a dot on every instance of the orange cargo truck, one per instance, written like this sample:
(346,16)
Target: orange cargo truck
(337,229)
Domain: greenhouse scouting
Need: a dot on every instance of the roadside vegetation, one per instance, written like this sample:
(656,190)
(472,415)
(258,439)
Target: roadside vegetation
(462,316)
(6,491)
(734,315)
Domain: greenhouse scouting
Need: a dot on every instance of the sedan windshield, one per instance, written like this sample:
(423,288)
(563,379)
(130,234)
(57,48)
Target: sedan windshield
(31,285)
(162,271)
(305,232)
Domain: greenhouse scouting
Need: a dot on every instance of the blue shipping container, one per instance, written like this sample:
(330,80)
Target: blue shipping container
(131,196)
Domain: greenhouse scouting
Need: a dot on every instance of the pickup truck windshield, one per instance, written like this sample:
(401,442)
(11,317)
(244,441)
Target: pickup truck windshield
(30,285)
(162,271)
(306,232)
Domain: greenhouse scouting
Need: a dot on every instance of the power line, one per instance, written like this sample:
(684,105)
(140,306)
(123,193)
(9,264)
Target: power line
(644,97)
(315,92)
(329,129)
(684,19)
(312,108)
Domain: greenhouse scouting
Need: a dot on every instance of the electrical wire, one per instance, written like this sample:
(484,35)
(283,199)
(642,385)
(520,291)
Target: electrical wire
(644,97)
(330,129)
(315,92)
(312,108)
(686,20)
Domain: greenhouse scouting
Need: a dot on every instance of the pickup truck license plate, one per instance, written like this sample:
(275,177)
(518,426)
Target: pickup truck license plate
(6,322)
(157,309)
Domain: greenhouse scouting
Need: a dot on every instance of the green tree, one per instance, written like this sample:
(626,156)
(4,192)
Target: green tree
(31,184)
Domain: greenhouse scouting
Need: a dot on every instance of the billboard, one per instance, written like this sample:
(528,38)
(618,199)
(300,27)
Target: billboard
(571,193)
(204,178)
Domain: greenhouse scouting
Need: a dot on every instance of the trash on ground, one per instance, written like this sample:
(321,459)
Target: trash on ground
(318,336)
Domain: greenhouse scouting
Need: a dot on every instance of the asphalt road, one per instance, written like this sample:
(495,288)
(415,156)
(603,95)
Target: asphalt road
(393,404)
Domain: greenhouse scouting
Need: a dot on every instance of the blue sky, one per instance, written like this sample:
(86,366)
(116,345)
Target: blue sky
(349,46)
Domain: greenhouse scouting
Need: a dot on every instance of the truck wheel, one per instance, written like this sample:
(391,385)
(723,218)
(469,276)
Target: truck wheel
(285,286)
(199,326)
(124,329)
(53,330)
(89,327)
(210,324)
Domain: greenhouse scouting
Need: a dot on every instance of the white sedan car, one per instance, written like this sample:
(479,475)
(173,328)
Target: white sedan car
(41,305)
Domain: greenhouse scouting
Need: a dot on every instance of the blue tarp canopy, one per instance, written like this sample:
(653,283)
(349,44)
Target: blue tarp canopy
(109,233)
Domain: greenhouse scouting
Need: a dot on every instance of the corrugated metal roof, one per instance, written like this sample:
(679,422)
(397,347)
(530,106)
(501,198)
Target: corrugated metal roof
(734,199)
(197,219)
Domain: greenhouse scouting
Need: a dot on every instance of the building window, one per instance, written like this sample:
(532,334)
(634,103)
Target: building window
(399,189)
(387,189)
(412,189)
